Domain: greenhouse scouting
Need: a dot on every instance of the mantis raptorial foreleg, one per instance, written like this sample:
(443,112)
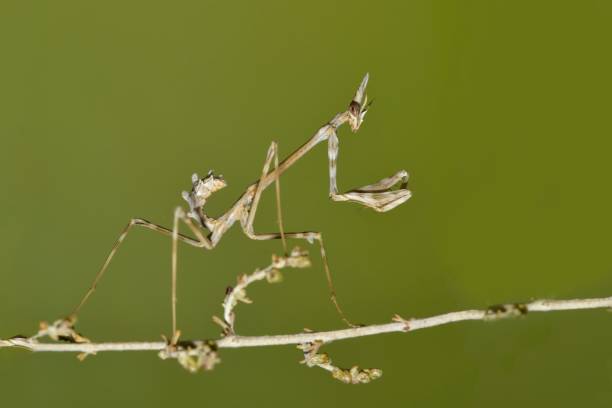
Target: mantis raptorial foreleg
(378,196)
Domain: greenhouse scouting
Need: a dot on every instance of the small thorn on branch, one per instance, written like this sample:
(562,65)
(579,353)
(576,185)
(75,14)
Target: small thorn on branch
(399,319)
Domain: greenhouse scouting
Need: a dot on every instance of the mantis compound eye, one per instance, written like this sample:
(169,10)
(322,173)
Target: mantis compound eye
(354,109)
(357,113)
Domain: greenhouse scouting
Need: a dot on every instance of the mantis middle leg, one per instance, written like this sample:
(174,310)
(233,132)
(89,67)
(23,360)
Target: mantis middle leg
(309,236)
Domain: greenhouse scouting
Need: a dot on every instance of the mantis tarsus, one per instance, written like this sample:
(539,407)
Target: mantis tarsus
(208,231)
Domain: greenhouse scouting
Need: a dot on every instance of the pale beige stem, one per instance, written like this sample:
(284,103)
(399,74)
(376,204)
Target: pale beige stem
(492,313)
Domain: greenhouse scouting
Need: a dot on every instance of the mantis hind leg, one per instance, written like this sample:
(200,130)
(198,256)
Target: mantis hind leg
(200,241)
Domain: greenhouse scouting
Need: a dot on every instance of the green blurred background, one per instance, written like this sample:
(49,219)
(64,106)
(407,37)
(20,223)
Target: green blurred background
(499,110)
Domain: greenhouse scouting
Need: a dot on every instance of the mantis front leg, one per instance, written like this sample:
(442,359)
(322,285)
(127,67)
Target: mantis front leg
(379,196)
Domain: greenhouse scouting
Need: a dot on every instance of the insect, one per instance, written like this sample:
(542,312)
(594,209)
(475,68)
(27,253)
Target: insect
(207,231)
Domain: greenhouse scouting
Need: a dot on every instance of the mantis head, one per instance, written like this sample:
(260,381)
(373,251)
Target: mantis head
(359,105)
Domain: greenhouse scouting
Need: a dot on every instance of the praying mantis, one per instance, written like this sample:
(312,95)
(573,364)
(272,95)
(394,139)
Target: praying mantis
(207,231)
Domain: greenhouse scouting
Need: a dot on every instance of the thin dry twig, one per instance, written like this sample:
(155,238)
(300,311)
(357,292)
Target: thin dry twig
(232,341)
